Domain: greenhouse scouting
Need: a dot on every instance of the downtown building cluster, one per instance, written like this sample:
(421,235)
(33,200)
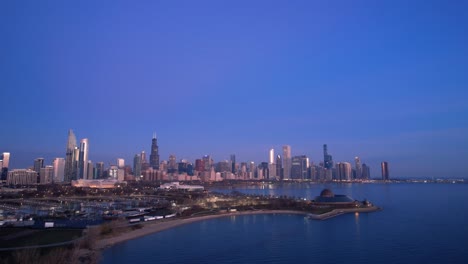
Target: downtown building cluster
(77,166)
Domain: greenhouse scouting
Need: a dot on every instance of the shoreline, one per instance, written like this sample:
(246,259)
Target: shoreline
(157,227)
(152,228)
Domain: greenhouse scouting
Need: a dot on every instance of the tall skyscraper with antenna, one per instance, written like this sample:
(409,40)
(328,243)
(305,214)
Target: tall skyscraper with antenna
(70,167)
(154,156)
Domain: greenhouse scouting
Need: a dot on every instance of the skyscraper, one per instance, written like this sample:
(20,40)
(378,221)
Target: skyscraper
(46,175)
(137,166)
(6,159)
(172,164)
(154,156)
(385,171)
(299,167)
(70,166)
(252,170)
(83,159)
(99,170)
(358,168)
(272,156)
(120,163)
(365,172)
(59,169)
(286,162)
(327,158)
(208,162)
(76,163)
(279,170)
(38,164)
(223,166)
(144,162)
(89,170)
(263,171)
(233,163)
(343,171)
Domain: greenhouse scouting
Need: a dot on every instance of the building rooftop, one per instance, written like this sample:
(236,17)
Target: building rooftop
(327,196)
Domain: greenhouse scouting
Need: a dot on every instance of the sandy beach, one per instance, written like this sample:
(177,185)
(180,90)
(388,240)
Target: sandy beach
(154,227)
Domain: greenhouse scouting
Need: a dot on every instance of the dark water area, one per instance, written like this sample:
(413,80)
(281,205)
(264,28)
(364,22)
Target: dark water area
(419,223)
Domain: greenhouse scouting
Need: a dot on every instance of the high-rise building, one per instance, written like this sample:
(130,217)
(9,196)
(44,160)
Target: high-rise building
(252,170)
(190,169)
(313,172)
(89,170)
(6,159)
(199,165)
(137,166)
(59,169)
(327,164)
(154,156)
(162,166)
(83,159)
(144,163)
(385,171)
(223,166)
(120,163)
(233,163)
(343,171)
(279,170)
(365,172)
(172,164)
(70,166)
(272,171)
(208,162)
(299,170)
(76,163)
(99,170)
(38,164)
(263,171)
(113,172)
(46,175)
(327,158)
(286,162)
(358,168)
(271,156)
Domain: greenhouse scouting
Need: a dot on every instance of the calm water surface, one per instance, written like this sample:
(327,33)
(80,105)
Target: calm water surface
(420,223)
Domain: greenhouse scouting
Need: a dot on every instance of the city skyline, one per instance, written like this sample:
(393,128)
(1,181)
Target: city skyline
(75,152)
(286,167)
(82,153)
(379,80)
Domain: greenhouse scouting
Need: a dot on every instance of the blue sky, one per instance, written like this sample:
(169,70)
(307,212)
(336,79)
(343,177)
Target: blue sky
(383,80)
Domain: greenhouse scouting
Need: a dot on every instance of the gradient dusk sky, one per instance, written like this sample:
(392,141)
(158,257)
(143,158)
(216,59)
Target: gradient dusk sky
(382,80)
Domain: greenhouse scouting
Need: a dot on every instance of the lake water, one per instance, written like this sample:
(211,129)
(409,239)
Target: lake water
(419,223)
